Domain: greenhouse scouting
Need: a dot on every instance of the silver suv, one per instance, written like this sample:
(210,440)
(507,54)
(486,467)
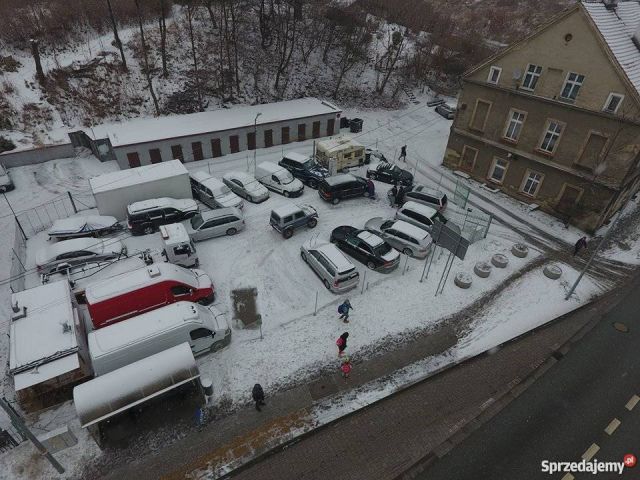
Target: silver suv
(337,273)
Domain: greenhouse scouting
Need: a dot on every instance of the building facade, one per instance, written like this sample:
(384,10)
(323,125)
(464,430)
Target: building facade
(554,120)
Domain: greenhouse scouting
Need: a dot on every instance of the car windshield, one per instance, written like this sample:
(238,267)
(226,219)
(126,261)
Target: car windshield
(285,177)
(223,190)
(196,221)
(309,164)
(387,224)
(382,249)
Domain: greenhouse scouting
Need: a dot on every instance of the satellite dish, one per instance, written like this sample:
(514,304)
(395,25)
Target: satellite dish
(517,74)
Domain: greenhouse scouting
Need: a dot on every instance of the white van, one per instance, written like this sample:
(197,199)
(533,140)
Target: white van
(212,192)
(204,328)
(278,179)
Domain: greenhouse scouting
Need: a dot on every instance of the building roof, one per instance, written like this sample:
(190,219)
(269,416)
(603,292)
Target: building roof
(173,126)
(617,27)
(42,334)
(136,176)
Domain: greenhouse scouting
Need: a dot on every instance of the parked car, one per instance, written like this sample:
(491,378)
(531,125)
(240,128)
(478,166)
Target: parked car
(178,247)
(246,186)
(402,236)
(89,226)
(337,273)
(205,329)
(375,155)
(215,223)
(446,111)
(290,217)
(6,184)
(426,196)
(304,168)
(279,179)
(388,173)
(145,217)
(420,215)
(366,247)
(338,187)
(213,192)
(60,256)
(132,293)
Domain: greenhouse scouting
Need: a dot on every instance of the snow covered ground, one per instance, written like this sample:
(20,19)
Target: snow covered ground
(296,343)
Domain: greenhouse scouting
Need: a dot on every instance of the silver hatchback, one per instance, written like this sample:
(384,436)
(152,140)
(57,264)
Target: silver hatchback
(215,223)
(404,237)
(337,273)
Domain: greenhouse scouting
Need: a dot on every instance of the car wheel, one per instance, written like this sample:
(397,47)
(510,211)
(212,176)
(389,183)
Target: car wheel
(232,231)
(3,189)
(287,232)
(148,230)
(332,240)
(371,265)
(407,252)
(285,193)
(326,284)
(373,176)
(335,201)
(366,194)
(313,184)
(304,256)
(312,223)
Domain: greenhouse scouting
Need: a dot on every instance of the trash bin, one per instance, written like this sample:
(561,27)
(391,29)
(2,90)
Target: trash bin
(344,122)
(355,125)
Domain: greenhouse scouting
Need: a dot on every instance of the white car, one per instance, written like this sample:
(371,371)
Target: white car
(90,226)
(215,223)
(212,192)
(78,251)
(337,273)
(246,186)
(404,237)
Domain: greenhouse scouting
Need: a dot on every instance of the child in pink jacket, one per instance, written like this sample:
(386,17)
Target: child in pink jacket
(345,367)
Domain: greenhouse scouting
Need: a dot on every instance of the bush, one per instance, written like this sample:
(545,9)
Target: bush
(6,144)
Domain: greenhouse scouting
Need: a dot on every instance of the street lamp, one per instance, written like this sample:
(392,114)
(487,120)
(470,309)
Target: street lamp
(255,141)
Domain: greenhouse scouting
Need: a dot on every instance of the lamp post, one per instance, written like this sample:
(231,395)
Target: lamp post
(255,140)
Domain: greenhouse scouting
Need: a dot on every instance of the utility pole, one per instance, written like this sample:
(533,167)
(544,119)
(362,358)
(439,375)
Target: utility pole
(17,422)
(255,141)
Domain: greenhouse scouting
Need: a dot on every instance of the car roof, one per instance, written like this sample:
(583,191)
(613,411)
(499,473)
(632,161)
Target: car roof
(336,257)
(181,203)
(287,209)
(370,239)
(411,230)
(239,175)
(271,167)
(74,245)
(339,179)
(296,157)
(205,179)
(425,210)
(427,190)
(220,212)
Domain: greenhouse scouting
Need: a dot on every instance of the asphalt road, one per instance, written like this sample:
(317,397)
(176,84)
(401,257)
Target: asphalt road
(565,412)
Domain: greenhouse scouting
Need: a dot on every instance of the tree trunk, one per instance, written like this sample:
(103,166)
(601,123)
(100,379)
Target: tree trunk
(145,57)
(114,25)
(234,36)
(36,57)
(163,38)
(194,54)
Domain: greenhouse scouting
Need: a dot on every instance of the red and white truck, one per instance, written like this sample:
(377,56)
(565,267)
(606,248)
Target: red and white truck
(133,293)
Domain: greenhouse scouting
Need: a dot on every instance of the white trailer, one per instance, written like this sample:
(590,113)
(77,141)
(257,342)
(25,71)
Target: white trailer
(114,191)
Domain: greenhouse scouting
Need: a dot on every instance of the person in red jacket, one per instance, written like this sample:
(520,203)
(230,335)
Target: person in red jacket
(345,367)
(341,342)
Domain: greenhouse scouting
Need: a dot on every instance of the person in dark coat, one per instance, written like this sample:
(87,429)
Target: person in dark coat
(400,194)
(342,343)
(258,396)
(393,193)
(580,244)
(371,188)
(344,311)
(403,153)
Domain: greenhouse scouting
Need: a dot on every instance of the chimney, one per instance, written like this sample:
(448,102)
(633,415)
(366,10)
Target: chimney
(610,4)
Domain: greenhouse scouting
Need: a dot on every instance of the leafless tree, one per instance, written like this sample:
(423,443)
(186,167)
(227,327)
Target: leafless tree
(145,57)
(114,26)
(286,29)
(394,46)
(354,39)
(190,8)
(162,24)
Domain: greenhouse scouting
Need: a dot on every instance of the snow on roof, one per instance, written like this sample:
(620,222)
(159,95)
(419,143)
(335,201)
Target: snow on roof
(336,257)
(114,337)
(78,224)
(182,203)
(286,210)
(370,238)
(338,143)
(411,230)
(46,371)
(41,334)
(136,176)
(617,26)
(141,277)
(121,389)
(174,233)
(173,126)
(296,157)
(88,244)
(425,210)
(338,179)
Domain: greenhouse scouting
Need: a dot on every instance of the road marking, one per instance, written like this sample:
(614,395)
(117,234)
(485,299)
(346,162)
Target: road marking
(632,403)
(568,476)
(615,423)
(591,451)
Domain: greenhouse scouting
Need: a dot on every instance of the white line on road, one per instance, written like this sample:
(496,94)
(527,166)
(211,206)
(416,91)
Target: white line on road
(568,476)
(615,423)
(632,403)
(591,451)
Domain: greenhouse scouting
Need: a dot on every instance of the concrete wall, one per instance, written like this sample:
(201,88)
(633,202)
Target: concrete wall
(36,155)
(224,136)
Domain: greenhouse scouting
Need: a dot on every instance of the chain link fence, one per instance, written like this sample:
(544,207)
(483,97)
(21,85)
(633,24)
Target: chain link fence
(18,260)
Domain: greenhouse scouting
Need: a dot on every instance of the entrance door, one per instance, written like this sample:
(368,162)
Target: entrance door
(155,155)
(234,143)
(134,159)
(196,149)
(285,135)
(251,140)
(216,149)
(568,202)
(331,124)
(316,129)
(302,132)
(176,152)
(268,138)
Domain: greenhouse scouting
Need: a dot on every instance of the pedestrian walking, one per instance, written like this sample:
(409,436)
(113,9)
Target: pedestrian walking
(403,153)
(393,193)
(371,188)
(341,342)
(200,418)
(258,396)
(400,194)
(345,367)
(580,244)
(343,310)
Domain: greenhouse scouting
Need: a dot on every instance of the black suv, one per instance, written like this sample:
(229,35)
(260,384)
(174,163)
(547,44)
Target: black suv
(333,189)
(388,173)
(145,217)
(304,168)
(366,247)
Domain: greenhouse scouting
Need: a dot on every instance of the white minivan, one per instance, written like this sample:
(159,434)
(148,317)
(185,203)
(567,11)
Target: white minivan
(204,328)
(278,179)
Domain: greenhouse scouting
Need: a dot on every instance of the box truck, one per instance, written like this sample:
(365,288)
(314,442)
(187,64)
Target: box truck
(204,328)
(132,293)
(115,190)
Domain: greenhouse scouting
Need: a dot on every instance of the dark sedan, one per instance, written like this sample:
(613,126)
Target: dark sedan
(388,173)
(365,247)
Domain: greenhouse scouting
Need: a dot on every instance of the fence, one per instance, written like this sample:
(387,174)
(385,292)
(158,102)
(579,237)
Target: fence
(42,217)
(474,224)
(36,155)
(18,260)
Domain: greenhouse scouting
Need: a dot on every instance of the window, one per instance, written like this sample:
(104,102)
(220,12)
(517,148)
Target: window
(180,290)
(572,86)
(200,333)
(494,75)
(298,215)
(532,182)
(498,170)
(133,159)
(176,152)
(613,103)
(551,136)
(531,77)
(155,155)
(514,125)
(480,115)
